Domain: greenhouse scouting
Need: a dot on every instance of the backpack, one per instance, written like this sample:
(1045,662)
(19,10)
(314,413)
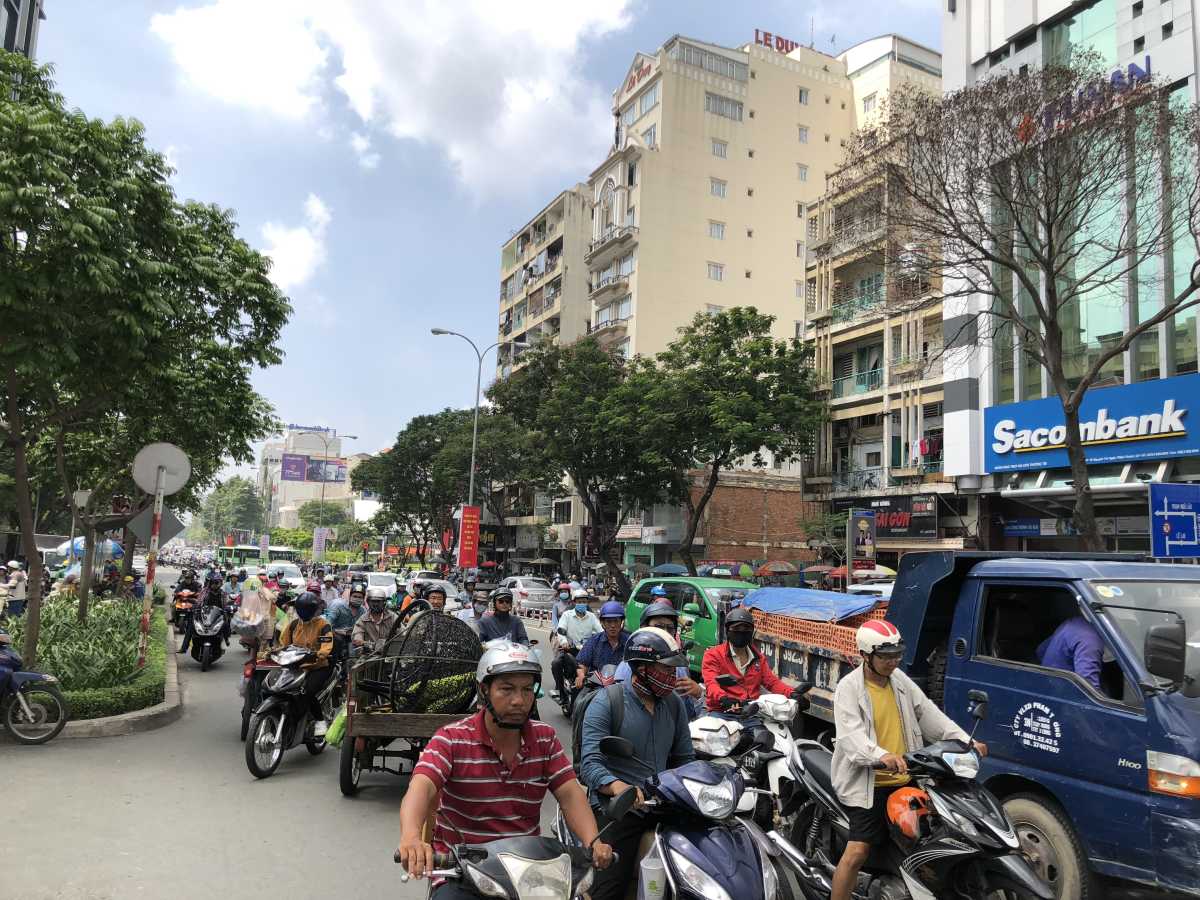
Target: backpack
(616,705)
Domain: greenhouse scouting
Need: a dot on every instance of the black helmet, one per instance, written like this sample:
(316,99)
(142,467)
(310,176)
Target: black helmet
(653,645)
(656,610)
(435,589)
(502,594)
(306,605)
(418,589)
(739,615)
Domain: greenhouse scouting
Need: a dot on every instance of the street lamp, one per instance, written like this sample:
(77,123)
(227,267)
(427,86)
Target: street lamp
(325,440)
(478,380)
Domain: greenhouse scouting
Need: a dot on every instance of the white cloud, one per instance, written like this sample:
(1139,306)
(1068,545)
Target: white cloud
(171,155)
(367,158)
(297,252)
(495,86)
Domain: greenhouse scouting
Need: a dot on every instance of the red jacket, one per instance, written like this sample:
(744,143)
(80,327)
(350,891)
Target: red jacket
(758,678)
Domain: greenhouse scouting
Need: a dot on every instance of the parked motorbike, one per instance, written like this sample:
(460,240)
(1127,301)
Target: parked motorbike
(283,720)
(32,707)
(957,842)
(210,633)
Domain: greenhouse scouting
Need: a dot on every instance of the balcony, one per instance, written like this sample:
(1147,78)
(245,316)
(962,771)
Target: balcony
(857,305)
(859,481)
(612,237)
(854,235)
(917,366)
(858,383)
(608,283)
(611,331)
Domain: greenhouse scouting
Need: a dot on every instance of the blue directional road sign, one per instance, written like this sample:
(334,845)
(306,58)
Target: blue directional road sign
(1174,520)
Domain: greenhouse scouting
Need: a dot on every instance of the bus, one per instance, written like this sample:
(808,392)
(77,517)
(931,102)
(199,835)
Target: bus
(251,555)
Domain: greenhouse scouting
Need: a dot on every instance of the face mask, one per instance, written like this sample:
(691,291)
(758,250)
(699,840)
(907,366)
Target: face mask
(581,608)
(376,606)
(356,602)
(652,682)
(563,595)
(480,609)
(740,638)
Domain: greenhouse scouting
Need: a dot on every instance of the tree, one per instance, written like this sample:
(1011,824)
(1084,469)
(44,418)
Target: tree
(1034,201)
(722,391)
(296,538)
(232,505)
(588,421)
(93,232)
(827,534)
(316,512)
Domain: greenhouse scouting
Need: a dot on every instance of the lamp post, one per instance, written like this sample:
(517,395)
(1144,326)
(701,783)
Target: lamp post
(325,440)
(478,381)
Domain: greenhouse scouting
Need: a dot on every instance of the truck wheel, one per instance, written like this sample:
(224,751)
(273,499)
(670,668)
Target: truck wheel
(938,660)
(1049,842)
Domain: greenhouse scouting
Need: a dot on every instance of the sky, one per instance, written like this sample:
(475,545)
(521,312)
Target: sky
(382,151)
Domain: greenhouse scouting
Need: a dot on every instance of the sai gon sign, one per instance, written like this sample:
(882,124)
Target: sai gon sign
(1147,420)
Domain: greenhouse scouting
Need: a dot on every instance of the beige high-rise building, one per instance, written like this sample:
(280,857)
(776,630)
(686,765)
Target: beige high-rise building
(701,203)
(543,279)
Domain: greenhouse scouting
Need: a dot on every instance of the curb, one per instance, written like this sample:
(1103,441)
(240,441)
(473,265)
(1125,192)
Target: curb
(140,719)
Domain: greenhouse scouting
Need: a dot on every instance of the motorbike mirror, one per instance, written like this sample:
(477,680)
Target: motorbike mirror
(616,746)
(533,642)
(1165,651)
(977,704)
(727,680)
(688,645)
(620,805)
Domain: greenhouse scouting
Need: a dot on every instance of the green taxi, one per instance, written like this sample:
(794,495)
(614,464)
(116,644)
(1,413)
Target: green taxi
(702,603)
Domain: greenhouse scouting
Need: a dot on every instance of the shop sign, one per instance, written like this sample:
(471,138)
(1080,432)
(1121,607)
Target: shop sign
(904,516)
(638,75)
(656,534)
(774,41)
(630,531)
(1023,527)
(487,537)
(1147,420)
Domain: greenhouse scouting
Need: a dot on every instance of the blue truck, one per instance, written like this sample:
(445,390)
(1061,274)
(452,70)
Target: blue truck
(1099,781)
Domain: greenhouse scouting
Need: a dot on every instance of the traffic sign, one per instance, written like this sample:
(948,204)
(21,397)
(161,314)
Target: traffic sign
(142,522)
(1174,520)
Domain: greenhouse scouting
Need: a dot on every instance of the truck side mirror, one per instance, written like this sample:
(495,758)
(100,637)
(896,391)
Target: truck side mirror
(977,704)
(691,609)
(1165,651)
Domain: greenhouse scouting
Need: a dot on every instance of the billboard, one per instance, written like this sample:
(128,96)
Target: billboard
(1146,420)
(860,537)
(299,467)
(901,516)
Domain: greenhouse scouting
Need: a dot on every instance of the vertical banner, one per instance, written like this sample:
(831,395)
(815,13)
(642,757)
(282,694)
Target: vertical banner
(468,538)
(318,545)
(264,544)
(860,542)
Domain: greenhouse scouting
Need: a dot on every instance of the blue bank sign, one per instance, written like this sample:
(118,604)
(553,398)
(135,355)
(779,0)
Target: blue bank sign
(1147,420)
(1174,520)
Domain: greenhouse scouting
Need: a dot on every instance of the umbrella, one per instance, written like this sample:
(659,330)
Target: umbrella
(820,570)
(543,561)
(637,568)
(778,567)
(669,569)
(487,565)
(745,571)
(104,548)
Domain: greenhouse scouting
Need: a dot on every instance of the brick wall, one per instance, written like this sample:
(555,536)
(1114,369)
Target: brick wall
(749,508)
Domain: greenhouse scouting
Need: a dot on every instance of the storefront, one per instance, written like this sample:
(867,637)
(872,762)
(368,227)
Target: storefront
(1133,435)
(903,522)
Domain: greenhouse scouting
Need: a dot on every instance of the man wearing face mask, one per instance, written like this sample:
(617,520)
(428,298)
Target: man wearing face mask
(740,658)
(342,615)
(474,613)
(312,632)
(371,630)
(579,625)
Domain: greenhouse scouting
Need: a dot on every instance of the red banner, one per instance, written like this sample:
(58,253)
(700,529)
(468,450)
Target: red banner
(393,550)
(468,538)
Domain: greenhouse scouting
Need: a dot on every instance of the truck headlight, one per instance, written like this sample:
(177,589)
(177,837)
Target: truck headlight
(1171,774)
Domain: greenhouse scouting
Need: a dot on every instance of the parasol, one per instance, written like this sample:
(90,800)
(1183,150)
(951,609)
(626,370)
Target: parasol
(669,569)
(777,567)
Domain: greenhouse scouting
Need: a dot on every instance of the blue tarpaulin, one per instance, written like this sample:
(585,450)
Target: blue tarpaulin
(806,603)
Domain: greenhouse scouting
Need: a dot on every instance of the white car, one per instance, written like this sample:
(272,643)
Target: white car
(422,575)
(530,592)
(139,564)
(386,580)
(291,574)
(880,589)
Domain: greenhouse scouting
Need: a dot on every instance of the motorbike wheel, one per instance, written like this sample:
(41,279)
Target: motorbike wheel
(315,746)
(263,753)
(789,885)
(1049,843)
(349,768)
(49,714)
(206,657)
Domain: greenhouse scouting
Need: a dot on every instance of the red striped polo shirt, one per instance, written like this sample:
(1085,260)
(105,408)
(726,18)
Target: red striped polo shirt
(482,797)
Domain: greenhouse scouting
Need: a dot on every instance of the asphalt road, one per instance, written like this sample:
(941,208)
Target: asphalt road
(174,813)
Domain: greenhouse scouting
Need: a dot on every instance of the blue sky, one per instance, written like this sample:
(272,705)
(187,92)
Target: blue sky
(382,150)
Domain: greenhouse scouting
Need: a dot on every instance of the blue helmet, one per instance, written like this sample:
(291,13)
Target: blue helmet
(612,610)
(658,591)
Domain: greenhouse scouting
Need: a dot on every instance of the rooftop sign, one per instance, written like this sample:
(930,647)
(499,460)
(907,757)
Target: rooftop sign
(774,41)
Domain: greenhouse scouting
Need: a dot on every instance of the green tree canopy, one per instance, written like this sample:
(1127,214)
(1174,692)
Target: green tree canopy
(315,512)
(232,504)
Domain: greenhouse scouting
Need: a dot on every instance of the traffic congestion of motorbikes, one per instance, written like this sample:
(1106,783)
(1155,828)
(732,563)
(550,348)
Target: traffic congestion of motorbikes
(745,804)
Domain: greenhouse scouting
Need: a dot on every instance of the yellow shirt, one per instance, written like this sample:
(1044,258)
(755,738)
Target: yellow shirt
(889,733)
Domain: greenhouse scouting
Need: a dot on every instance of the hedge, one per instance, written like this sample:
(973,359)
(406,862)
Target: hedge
(146,688)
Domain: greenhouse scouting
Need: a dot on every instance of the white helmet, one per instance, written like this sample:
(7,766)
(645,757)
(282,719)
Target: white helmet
(579,594)
(13,564)
(377,593)
(502,657)
(879,636)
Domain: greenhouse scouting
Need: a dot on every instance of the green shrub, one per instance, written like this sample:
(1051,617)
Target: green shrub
(145,689)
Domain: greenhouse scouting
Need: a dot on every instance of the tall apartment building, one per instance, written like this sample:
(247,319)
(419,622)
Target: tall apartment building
(291,472)
(20,21)
(1029,507)
(877,347)
(543,279)
(701,202)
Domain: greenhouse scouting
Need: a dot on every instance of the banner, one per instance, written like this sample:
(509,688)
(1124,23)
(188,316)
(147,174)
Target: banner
(292,467)
(468,538)
(860,536)
(898,517)
(299,467)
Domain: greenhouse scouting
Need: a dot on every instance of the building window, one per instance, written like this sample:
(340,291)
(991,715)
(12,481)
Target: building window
(625,266)
(624,308)
(650,136)
(799,210)
(716,230)
(749,232)
(810,291)
(629,115)
(804,96)
(648,100)
(712,309)
(1137,9)
(802,131)
(874,459)
(749,273)
(799,249)
(710,62)
(562,512)
(723,106)
(802,171)
(799,290)
(716,272)
(827,138)
(1167,30)
(623,349)
(812,228)
(631,216)
(720,149)
(1139,44)
(869,103)
(750,154)
(632,174)
(716,187)
(749,192)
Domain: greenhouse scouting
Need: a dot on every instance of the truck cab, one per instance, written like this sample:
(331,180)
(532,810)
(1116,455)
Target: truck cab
(702,604)
(1097,762)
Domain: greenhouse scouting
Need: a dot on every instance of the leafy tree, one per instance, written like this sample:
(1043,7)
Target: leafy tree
(1030,203)
(93,232)
(588,419)
(725,390)
(312,513)
(233,504)
(827,534)
(296,538)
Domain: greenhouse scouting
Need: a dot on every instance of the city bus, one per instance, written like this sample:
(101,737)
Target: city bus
(251,555)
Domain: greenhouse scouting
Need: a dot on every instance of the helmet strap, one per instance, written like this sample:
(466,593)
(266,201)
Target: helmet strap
(874,671)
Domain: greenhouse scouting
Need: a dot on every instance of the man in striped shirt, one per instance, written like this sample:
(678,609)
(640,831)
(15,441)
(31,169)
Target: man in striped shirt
(486,776)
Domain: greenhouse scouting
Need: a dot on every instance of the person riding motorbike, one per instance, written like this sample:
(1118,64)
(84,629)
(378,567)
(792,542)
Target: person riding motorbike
(255,618)
(561,606)
(663,615)
(329,592)
(457,782)
(372,630)
(604,649)
(213,594)
(342,615)
(580,625)
(474,613)
(436,598)
(740,658)
(655,721)
(312,632)
(880,715)
(188,582)
(502,623)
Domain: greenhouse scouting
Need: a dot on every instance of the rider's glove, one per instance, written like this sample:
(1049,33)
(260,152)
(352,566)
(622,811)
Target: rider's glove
(802,702)
(727,702)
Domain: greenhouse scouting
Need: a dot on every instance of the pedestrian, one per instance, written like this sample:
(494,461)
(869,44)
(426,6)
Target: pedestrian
(138,588)
(16,585)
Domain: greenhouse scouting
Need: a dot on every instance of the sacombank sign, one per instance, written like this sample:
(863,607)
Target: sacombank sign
(1147,420)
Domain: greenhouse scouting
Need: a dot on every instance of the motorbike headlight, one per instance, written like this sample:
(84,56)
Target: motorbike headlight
(539,879)
(964,765)
(485,884)
(696,878)
(714,800)
(777,707)
(770,879)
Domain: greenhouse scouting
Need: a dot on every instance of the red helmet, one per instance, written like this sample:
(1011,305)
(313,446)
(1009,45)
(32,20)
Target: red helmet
(313,585)
(905,810)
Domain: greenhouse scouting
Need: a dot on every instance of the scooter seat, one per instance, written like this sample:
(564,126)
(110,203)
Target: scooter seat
(819,764)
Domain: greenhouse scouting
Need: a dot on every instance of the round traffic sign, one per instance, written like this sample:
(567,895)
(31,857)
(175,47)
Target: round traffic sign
(173,461)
